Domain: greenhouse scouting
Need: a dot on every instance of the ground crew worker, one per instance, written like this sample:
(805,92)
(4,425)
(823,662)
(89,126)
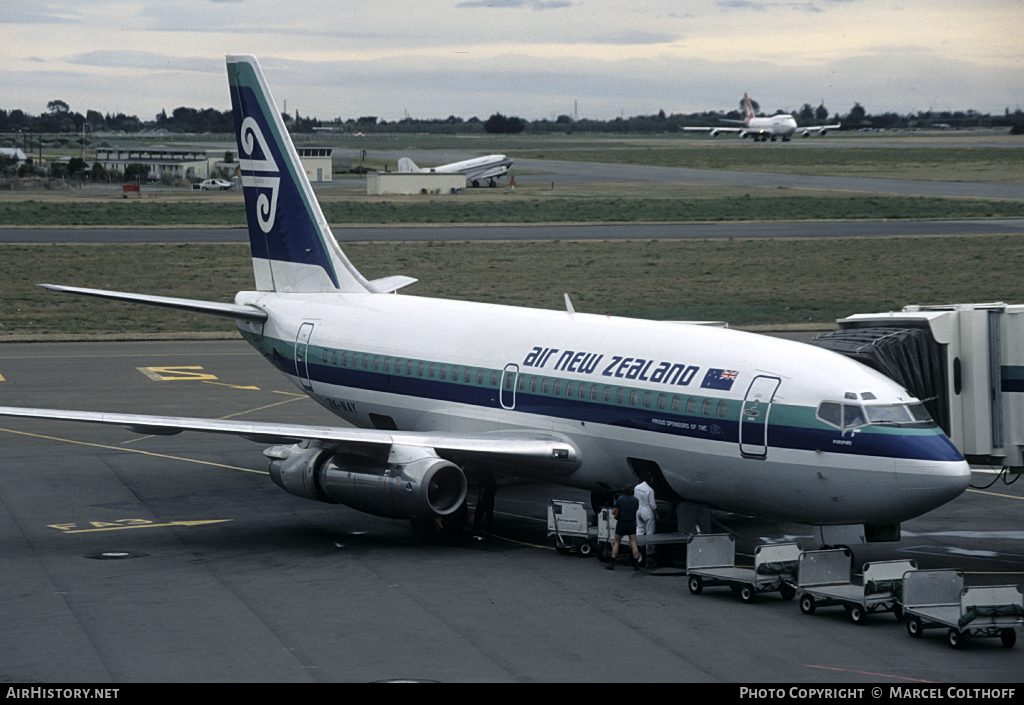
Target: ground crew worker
(624,512)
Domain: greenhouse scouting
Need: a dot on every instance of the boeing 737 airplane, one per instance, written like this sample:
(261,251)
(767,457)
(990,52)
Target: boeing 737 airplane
(435,388)
(763,129)
(476,170)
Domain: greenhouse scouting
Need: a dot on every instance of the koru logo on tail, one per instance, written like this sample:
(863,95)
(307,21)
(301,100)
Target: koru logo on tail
(259,173)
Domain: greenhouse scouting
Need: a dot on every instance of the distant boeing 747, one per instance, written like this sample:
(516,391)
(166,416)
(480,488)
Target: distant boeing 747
(763,129)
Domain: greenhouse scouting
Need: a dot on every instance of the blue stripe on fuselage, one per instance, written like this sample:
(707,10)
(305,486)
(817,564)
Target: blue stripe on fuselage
(865,442)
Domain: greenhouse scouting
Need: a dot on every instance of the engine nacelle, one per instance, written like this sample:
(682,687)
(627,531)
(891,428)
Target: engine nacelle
(715,133)
(412,482)
(807,133)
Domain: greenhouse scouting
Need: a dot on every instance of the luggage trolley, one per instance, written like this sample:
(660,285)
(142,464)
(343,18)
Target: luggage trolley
(569,524)
(824,580)
(711,560)
(938,598)
(606,536)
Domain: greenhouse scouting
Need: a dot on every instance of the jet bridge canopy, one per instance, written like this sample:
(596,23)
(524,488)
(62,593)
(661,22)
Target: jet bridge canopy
(964,361)
(910,356)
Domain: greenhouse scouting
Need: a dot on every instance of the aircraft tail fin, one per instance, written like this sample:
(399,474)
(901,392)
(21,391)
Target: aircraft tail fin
(748,109)
(293,249)
(407,166)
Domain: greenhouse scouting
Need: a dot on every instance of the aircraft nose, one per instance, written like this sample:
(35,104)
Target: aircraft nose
(925,485)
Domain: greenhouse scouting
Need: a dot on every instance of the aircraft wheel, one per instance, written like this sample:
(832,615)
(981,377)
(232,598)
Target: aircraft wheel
(807,604)
(695,584)
(1008,637)
(955,638)
(748,594)
(914,627)
(476,183)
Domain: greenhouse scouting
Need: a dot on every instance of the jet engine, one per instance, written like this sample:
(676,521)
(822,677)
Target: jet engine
(410,482)
(715,133)
(807,133)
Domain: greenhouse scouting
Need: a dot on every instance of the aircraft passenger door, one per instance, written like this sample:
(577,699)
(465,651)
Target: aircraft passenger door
(507,393)
(754,416)
(301,355)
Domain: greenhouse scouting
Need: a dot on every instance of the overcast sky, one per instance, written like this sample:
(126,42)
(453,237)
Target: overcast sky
(531,58)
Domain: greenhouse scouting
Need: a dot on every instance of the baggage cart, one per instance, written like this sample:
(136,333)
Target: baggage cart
(606,537)
(938,598)
(569,524)
(711,560)
(824,580)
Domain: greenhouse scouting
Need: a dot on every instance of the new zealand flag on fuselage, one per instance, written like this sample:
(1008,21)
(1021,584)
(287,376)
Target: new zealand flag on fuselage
(719,379)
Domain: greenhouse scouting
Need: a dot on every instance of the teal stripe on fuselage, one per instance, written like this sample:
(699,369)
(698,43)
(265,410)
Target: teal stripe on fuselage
(666,412)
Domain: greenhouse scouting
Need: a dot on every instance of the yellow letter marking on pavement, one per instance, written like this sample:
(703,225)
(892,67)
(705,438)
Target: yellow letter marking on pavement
(175,374)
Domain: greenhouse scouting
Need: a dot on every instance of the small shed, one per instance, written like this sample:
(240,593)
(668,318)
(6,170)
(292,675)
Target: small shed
(399,183)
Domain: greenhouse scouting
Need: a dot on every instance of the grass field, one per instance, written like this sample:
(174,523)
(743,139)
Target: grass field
(524,206)
(743,282)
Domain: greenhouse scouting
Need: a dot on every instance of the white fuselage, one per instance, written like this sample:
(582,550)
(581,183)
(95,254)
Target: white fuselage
(774,126)
(728,417)
(489,167)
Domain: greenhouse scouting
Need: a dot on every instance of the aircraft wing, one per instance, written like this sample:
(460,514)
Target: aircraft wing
(820,129)
(713,129)
(486,171)
(534,454)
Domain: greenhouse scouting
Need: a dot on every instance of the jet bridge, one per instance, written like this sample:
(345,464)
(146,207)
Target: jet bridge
(964,361)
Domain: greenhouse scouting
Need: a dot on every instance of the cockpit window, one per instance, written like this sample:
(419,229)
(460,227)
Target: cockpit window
(853,416)
(920,413)
(888,414)
(831,413)
(847,416)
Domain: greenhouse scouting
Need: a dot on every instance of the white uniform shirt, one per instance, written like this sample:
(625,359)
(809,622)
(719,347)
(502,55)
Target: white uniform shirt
(645,515)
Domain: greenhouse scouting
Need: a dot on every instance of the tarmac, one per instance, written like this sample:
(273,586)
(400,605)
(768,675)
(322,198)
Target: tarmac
(137,559)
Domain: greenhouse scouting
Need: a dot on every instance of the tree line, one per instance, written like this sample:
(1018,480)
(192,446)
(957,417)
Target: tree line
(60,119)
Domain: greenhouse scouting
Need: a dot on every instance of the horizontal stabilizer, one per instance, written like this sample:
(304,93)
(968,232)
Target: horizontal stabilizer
(243,313)
(389,285)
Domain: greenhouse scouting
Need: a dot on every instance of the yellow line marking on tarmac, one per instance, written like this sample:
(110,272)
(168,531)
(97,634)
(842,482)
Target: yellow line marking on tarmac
(133,450)
(142,526)
(175,374)
(996,494)
(232,386)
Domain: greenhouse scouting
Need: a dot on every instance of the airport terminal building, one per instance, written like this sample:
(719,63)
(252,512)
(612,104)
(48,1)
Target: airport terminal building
(182,162)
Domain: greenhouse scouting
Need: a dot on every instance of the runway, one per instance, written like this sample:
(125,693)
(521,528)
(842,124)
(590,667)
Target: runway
(130,559)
